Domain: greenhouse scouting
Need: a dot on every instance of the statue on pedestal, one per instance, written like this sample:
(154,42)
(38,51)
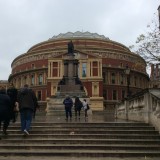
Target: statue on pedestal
(70,48)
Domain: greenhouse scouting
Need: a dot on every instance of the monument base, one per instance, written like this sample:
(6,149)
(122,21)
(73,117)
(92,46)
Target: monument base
(96,103)
(55,105)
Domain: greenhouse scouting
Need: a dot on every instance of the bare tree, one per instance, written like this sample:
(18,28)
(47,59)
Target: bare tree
(148,44)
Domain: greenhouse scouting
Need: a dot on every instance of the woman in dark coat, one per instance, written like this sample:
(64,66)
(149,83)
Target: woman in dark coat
(12,93)
(5,110)
(78,105)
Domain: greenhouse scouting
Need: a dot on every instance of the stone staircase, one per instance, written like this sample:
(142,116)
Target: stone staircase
(54,137)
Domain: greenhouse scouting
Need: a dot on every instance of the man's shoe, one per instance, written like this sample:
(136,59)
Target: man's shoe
(26,132)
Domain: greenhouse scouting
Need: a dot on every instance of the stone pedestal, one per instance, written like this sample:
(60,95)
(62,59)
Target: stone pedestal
(96,103)
(70,84)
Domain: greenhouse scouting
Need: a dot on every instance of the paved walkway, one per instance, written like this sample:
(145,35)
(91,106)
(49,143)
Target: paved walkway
(92,117)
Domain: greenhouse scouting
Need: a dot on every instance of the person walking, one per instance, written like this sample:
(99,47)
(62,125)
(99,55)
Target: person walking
(12,93)
(27,103)
(5,110)
(68,103)
(85,106)
(77,106)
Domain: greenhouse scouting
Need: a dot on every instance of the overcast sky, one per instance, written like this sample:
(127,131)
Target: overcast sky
(25,23)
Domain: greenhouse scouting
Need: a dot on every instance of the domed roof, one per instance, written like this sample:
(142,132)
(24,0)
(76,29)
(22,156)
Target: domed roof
(78,34)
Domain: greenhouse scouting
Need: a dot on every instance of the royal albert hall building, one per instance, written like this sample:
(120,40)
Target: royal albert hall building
(101,68)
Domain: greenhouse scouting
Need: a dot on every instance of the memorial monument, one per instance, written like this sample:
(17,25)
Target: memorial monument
(70,84)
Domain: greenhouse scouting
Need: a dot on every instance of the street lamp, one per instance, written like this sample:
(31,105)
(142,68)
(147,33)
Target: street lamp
(127,72)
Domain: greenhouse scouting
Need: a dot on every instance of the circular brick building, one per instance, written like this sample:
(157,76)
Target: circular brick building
(101,68)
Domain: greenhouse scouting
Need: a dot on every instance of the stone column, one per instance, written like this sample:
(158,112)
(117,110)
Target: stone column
(76,68)
(70,69)
(66,69)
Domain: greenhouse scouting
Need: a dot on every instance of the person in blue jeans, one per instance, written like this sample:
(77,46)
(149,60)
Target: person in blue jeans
(68,103)
(27,103)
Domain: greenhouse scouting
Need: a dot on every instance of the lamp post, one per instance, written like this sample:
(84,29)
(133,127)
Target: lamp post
(127,72)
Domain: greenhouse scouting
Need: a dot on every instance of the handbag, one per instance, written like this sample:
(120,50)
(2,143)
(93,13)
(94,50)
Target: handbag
(16,108)
(88,107)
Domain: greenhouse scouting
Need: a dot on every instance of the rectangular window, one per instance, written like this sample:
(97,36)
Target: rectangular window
(121,64)
(95,68)
(123,94)
(33,65)
(104,77)
(55,69)
(105,94)
(121,79)
(113,78)
(32,79)
(40,79)
(39,96)
(135,81)
(19,82)
(84,69)
(114,95)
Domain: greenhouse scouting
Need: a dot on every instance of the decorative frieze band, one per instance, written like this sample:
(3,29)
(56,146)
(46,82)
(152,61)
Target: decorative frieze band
(121,56)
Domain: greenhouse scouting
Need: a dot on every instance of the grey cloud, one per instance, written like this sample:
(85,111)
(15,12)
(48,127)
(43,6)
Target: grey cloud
(27,22)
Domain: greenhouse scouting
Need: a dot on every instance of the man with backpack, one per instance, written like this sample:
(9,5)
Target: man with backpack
(27,103)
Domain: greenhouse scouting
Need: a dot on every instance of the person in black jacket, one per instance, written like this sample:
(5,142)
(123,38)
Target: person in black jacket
(5,110)
(68,103)
(27,103)
(77,106)
(12,93)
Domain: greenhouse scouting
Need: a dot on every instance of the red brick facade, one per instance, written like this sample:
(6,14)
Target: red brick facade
(32,67)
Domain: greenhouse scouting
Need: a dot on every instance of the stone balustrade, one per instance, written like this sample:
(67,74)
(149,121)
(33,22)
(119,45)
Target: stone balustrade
(143,107)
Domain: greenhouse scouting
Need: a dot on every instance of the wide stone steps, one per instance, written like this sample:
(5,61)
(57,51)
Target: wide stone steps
(84,136)
(90,128)
(82,124)
(80,146)
(82,139)
(81,153)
